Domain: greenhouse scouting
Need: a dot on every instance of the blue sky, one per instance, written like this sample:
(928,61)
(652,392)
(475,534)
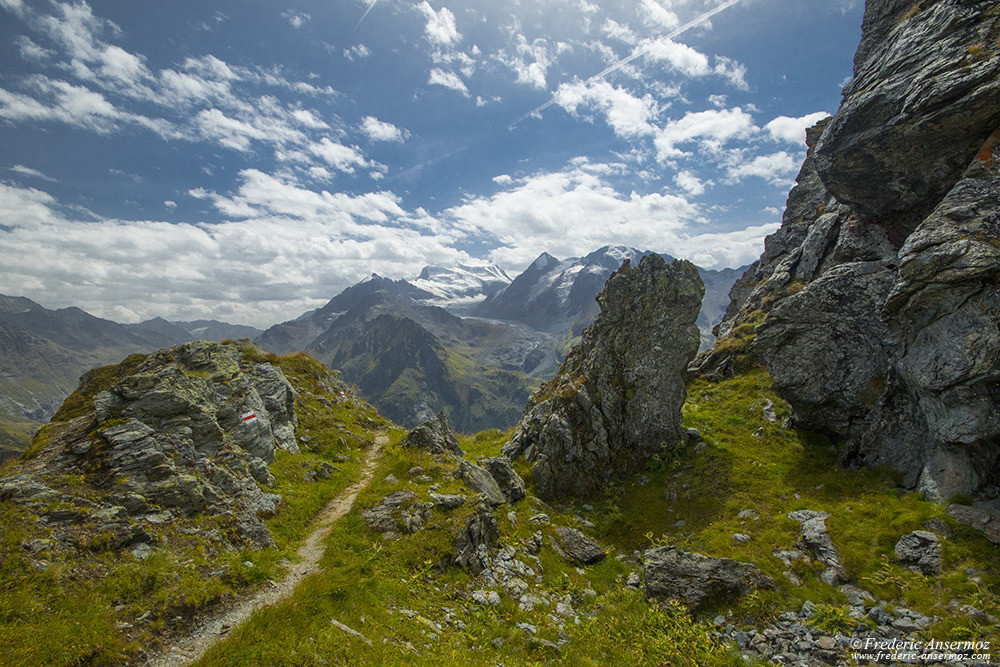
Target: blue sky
(248,160)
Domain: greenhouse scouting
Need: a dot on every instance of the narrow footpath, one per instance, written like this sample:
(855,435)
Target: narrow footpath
(191,647)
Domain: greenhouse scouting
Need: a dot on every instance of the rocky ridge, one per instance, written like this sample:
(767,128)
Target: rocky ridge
(616,400)
(875,307)
(187,430)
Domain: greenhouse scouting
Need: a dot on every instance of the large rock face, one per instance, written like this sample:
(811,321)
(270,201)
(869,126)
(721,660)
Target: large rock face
(878,313)
(188,429)
(616,401)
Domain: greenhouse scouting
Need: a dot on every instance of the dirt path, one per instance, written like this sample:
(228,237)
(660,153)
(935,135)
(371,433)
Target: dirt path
(192,646)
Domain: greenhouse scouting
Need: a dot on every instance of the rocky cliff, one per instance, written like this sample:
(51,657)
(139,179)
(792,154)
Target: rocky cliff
(617,398)
(876,306)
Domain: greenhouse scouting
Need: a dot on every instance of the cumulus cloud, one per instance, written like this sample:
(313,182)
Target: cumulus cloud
(377,130)
(357,51)
(793,130)
(340,157)
(777,168)
(659,15)
(690,183)
(439,77)
(440,29)
(712,128)
(628,115)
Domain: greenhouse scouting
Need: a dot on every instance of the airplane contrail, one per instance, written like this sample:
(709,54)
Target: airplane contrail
(365,15)
(617,65)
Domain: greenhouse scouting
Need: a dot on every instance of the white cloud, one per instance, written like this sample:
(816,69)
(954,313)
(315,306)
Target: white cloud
(358,51)
(793,130)
(690,183)
(170,204)
(377,130)
(440,29)
(530,61)
(32,51)
(658,15)
(28,171)
(628,115)
(295,18)
(291,253)
(438,77)
(618,31)
(775,168)
(681,57)
(340,157)
(712,127)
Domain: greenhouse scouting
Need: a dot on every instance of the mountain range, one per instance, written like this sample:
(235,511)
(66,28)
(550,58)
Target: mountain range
(467,340)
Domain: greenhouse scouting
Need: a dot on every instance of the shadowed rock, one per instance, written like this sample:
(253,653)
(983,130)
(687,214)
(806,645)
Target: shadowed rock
(475,539)
(616,400)
(433,436)
(698,580)
(574,546)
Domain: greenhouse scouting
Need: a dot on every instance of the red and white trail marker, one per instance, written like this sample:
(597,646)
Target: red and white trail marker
(249,417)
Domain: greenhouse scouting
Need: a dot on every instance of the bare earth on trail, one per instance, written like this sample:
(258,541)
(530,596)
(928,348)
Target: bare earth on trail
(195,644)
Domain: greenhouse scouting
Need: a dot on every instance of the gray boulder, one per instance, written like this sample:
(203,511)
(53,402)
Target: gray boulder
(576,547)
(433,436)
(481,481)
(396,512)
(921,549)
(616,400)
(476,539)
(985,520)
(698,580)
(510,483)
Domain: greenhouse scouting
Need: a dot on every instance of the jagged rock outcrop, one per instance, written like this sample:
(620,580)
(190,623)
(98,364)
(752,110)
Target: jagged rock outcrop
(187,429)
(433,436)
(576,547)
(878,313)
(697,580)
(476,538)
(616,400)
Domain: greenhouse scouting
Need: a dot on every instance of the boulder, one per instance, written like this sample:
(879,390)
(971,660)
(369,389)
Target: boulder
(510,483)
(985,520)
(921,549)
(616,400)
(698,580)
(481,481)
(396,512)
(433,436)
(576,547)
(476,539)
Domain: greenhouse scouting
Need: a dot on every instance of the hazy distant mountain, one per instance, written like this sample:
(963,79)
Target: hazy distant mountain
(182,332)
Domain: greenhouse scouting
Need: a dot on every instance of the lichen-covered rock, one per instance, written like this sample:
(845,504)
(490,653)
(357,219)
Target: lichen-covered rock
(826,353)
(921,549)
(397,512)
(433,436)
(698,580)
(481,481)
(510,483)
(983,519)
(576,547)
(924,97)
(476,538)
(815,539)
(616,400)
(190,429)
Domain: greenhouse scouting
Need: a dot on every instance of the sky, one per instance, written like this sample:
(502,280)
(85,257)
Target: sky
(247,160)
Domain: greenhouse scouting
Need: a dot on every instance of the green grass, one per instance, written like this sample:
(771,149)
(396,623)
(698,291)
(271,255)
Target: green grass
(85,599)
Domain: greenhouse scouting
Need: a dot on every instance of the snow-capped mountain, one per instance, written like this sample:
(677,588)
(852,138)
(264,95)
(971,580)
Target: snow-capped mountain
(551,294)
(463,286)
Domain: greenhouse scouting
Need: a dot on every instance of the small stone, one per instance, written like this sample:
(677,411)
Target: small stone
(490,598)
(741,538)
(391,479)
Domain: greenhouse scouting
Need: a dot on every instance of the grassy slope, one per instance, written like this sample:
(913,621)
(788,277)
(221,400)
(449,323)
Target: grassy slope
(86,601)
(413,608)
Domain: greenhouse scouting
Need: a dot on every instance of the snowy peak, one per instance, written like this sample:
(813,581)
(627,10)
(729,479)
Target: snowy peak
(461,286)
